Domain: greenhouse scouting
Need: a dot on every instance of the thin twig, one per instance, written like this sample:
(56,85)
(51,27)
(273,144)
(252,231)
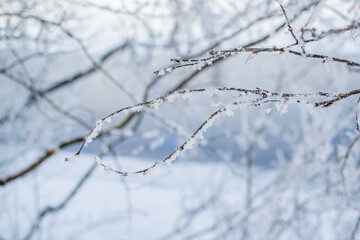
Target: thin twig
(290,29)
(264,96)
(223,54)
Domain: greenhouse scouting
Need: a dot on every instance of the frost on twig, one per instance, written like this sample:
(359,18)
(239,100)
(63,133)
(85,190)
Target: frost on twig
(199,64)
(222,54)
(94,133)
(252,97)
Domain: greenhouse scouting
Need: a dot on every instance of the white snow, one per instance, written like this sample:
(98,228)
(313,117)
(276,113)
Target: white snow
(150,207)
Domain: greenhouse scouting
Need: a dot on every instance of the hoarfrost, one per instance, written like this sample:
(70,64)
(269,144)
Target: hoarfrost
(161,72)
(200,65)
(191,142)
(156,104)
(137,108)
(94,133)
(173,157)
(172,97)
(106,166)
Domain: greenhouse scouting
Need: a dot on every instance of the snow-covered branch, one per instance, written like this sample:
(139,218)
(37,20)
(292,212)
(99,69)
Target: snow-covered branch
(254,97)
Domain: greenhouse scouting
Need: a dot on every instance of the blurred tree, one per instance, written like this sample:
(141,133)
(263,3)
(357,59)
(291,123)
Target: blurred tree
(65,64)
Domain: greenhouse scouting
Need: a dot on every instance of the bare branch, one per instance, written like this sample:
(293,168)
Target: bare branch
(85,73)
(290,29)
(354,25)
(264,97)
(216,55)
(51,210)
(37,163)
